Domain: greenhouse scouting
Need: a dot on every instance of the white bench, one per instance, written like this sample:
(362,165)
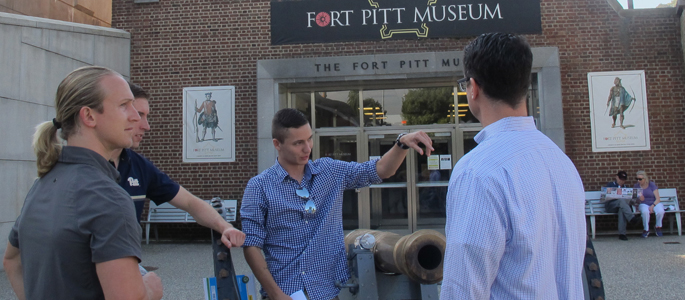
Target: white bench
(167,213)
(669,197)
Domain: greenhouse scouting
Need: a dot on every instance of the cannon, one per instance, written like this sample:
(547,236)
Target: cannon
(226,283)
(385,265)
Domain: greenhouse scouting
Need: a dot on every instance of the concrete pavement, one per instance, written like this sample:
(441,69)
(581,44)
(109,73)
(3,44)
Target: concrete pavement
(652,268)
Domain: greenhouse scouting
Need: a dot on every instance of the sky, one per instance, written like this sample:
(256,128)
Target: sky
(643,3)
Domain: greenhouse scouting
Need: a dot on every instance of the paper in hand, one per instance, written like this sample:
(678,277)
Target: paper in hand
(299,295)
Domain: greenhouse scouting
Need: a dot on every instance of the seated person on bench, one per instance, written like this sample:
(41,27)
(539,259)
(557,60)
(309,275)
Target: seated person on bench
(649,203)
(621,206)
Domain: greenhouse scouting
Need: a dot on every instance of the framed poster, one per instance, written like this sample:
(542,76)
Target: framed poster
(618,111)
(209,124)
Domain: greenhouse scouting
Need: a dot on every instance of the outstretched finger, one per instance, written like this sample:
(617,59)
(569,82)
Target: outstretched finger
(424,139)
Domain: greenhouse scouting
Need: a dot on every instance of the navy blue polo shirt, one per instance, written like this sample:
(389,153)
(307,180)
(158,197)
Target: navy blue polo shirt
(141,179)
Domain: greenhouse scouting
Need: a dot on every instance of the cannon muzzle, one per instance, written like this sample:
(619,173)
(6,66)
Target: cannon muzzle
(419,255)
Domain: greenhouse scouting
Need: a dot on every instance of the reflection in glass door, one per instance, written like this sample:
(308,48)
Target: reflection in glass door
(432,178)
(343,148)
(389,203)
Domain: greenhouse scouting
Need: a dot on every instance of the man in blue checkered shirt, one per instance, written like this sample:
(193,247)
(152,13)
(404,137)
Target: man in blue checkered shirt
(293,210)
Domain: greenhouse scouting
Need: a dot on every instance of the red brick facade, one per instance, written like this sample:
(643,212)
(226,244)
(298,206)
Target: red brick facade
(183,43)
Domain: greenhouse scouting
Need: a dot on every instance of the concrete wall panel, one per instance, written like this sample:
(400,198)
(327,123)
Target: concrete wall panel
(15,185)
(32,36)
(72,45)
(41,73)
(22,117)
(10,55)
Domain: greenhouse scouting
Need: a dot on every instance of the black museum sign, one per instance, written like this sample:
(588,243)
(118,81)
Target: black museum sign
(327,21)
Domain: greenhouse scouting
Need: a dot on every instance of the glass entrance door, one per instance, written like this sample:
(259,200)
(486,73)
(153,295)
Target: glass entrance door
(343,147)
(389,200)
(431,180)
(413,198)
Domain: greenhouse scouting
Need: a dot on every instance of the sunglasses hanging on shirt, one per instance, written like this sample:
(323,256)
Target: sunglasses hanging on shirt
(309,206)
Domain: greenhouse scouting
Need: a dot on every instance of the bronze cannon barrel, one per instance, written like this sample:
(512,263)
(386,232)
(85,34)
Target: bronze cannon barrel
(419,255)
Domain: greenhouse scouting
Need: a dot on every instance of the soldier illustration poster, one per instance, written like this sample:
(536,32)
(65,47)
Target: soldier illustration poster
(618,111)
(209,124)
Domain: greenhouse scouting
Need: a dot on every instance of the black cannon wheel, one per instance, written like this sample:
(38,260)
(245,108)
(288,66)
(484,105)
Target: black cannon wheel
(592,276)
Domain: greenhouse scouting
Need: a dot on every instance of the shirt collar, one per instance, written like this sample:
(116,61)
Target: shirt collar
(505,124)
(309,170)
(79,155)
(124,156)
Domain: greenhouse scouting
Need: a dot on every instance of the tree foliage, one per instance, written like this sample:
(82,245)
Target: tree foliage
(428,106)
(353,101)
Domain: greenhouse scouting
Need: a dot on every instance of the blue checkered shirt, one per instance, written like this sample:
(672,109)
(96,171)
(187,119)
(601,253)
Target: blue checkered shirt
(303,251)
(515,218)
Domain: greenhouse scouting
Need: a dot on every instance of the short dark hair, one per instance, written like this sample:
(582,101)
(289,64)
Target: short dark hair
(284,119)
(138,92)
(500,63)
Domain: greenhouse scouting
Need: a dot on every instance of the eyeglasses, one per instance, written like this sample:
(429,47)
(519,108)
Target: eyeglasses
(309,207)
(463,83)
(639,179)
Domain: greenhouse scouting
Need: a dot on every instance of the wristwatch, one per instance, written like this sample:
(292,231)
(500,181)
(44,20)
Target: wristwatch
(399,144)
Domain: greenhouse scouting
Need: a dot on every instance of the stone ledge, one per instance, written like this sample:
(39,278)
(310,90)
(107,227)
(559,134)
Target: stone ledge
(21,20)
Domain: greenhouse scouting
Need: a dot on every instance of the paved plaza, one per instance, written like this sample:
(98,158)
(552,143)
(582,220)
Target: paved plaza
(652,268)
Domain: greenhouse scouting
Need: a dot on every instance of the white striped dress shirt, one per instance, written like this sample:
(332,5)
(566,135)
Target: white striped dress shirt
(515,218)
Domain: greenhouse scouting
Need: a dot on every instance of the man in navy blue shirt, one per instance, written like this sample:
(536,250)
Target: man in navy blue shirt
(293,210)
(141,179)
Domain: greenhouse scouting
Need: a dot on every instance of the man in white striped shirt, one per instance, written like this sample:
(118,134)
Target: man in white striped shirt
(515,205)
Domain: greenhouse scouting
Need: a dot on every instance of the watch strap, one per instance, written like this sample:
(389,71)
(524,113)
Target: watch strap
(399,144)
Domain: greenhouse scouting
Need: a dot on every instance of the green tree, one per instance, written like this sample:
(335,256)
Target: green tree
(428,106)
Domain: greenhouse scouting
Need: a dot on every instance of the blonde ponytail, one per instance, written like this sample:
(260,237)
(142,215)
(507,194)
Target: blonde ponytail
(47,147)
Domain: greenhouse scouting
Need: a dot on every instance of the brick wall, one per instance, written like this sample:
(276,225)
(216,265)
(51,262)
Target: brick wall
(182,43)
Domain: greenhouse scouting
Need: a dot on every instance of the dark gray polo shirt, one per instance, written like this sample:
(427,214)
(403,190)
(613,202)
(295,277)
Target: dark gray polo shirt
(73,218)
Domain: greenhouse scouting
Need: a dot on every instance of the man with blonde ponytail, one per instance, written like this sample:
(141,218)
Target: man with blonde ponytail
(77,235)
